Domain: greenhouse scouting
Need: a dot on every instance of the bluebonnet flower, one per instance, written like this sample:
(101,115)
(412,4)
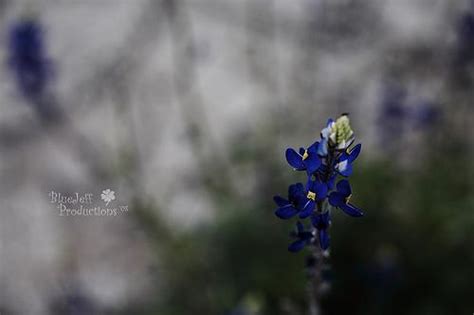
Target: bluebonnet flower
(300,200)
(341,199)
(27,58)
(321,222)
(306,159)
(326,159)
(344,162)
(303,238)
(323,161)
(315,191)
(296,201)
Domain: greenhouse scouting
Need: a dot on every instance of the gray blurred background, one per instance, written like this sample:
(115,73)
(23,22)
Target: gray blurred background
(184,109)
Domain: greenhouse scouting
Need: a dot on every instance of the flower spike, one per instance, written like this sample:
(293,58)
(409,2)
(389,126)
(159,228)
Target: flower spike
(324,161)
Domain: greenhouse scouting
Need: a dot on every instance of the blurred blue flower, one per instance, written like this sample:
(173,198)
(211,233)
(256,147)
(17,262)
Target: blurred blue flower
(465,32)
(466,27)
(27,59)
(393,104)
(392,114)
(341,199)
(425,115)
(303,238)
(400,113)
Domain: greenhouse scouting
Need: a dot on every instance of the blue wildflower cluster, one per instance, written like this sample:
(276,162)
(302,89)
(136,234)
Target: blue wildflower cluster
(27,58)
(322,162)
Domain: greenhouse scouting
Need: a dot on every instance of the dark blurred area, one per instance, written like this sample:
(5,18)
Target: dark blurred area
(183,109)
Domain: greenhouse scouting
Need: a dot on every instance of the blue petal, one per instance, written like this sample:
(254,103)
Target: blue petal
(312,163)
(309,184)
(344,187)
(321,221)
(294,159)
(302,151)
(313,148)
(323,148)
(323,239)
(354,153)
(331,181)
(297,246)
(315,220)
(299,227)
(345,170)
(336,199)
(295,190)
(351,210)
(326,218)
(308,209)
(321,190)
(286,212)
(318,187)
(326,131)
(297,195)
(280,201)
(300,202)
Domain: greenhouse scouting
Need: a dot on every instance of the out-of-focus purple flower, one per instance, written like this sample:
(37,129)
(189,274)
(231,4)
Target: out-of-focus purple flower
(465,33)
(392,105)
(73,301)
(425,115)
(400,112)
(27,58)
(466,27)
(392,114)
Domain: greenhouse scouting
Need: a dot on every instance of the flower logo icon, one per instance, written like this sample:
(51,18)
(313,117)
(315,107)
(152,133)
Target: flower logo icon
(107,196)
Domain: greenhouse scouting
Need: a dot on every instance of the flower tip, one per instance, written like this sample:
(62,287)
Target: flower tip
(356,213)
